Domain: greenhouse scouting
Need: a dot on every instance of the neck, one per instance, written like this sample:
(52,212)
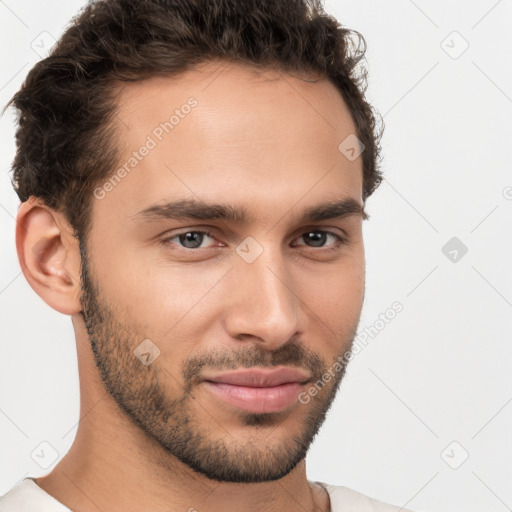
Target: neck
(101,471)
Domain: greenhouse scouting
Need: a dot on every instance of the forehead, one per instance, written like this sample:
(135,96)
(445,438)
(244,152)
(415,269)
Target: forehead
(224,132)
(223,89)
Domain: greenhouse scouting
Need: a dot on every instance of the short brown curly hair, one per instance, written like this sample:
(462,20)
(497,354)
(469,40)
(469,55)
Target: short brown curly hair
(66,134)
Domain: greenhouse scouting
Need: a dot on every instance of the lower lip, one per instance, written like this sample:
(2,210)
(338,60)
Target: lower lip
(257,400)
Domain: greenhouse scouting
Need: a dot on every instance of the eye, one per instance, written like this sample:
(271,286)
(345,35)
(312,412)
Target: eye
(194,239)
(189,239)
(317,238)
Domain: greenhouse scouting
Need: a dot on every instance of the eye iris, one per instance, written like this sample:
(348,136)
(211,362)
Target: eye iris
(192,236)
(317,237)
(194,239)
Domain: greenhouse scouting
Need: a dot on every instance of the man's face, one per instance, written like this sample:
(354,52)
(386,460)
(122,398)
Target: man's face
(274,291)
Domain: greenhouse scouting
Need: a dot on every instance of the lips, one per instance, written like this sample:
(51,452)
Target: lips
(258,390)
(261,378)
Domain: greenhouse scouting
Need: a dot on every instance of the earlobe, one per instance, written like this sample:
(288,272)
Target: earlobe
(49,256)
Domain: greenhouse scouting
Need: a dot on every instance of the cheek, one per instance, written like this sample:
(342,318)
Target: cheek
(164,299)
(334,302)
(176,303)
(344,297)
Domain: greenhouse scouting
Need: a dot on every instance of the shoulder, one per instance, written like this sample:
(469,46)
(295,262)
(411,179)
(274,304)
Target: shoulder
(344,499)
(27,496)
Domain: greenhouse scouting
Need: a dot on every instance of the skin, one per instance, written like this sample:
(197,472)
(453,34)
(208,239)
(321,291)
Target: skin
(154,434)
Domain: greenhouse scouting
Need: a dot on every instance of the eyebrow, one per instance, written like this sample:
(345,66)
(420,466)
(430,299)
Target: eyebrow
(185,209)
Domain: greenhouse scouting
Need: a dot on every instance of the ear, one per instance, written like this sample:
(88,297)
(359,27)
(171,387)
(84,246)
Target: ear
(49,255)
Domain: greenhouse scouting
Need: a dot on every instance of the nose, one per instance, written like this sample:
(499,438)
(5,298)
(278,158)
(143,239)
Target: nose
(263,306)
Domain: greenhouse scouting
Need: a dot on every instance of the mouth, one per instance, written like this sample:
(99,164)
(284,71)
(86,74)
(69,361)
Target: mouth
(259,390)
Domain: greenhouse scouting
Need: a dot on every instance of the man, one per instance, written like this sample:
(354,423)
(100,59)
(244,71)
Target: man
(193,177)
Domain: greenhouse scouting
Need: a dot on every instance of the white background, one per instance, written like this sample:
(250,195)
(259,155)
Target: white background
(440,371)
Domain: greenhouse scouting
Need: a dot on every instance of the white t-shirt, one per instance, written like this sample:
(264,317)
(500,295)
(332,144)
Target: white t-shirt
(27,496)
